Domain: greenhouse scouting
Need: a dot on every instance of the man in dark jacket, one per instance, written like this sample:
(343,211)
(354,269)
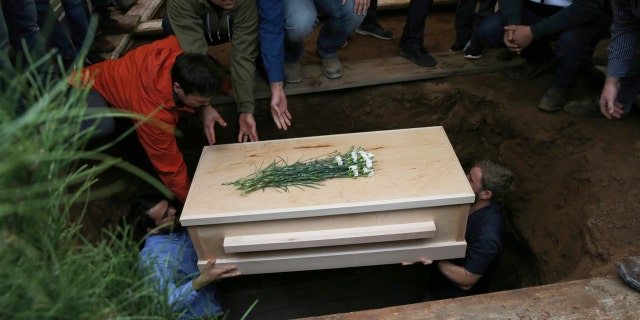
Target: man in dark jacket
(526,27)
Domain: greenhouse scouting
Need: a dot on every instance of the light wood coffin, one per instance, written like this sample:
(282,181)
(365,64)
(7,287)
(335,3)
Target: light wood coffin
(414,206)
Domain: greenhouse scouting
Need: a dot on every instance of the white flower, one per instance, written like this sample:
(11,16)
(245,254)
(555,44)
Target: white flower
(369,163)
(339,160)
(370,174)
(354,156)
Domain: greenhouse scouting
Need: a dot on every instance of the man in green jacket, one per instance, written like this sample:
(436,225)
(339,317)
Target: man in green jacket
(526,27)
(199,24)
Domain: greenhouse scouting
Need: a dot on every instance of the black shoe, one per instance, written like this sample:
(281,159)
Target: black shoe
(474,51)
(459,47)
(375,30)
(418,56)
(553,100)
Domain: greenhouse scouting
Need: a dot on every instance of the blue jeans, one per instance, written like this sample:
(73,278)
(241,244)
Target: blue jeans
(468,19)
(573,47)
(52,30)
(20,21)
(301,16)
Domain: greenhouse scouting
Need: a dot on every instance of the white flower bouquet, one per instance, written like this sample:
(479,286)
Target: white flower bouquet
(309,173)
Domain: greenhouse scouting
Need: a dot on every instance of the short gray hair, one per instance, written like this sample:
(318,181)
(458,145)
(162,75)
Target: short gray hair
(495,178)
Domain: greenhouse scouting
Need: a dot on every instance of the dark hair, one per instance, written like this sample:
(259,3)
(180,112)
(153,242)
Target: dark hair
(197,74)
(141,206)
(495,178)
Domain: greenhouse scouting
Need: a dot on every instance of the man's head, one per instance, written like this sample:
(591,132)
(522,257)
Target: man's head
(490,181)
(196,78)
(157,214)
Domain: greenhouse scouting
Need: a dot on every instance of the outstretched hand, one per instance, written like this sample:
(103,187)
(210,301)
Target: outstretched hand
(422,260)
(609,105)
(210,117)
(279,109)
(248,131)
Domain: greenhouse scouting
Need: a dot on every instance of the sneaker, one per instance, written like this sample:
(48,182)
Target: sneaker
(553,100)
(292,72)
(527,71)
(459,47)
(418,56)
(474,51)
(375,30)
(332,68)
(583,108)
(629,270)
(344,44)
(506,55)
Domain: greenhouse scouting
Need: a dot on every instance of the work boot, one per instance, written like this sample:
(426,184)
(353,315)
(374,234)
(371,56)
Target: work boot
(629,270)
(113,26)
(527,70)
(332,68)
(553,100)
(293,72)
(583,108)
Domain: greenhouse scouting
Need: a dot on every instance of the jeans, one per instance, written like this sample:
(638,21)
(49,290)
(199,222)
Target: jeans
(20,22)
(77,16)
(97,105)
(467,19)
(372,13)
(573,47)
(413,31)
(52,30)
(301,16)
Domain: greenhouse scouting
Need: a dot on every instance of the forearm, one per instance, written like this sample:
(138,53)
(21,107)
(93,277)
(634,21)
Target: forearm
(457,274)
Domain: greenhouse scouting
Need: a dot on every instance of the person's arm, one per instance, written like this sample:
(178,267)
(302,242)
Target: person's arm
(210,117)
(577,13)
(458,275)
(160,144)
(187,24)
(210,273)
(625,41)
(244,51)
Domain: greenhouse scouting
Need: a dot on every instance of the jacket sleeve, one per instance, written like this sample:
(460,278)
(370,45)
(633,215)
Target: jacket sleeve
(244,50)
(187,25)
(271,32)
(577,13)
(511,11)
(624,46)
(159,142)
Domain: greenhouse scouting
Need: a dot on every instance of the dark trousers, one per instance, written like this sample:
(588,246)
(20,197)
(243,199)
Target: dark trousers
(573,47)
(467,19)
(413,31)
(372,13)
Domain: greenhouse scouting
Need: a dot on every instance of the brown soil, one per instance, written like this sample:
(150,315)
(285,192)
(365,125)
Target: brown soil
(573,213)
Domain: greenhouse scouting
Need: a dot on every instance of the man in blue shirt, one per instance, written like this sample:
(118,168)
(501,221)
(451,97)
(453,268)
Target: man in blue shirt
(470,275)
(170,258)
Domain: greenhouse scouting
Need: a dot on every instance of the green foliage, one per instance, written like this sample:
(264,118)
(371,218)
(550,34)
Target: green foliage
(47,269)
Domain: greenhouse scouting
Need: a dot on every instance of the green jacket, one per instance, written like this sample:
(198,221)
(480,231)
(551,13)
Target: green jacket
(187,18)
(577,13)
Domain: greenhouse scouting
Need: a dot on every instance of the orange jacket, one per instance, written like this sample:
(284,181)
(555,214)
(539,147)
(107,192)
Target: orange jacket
(140,82)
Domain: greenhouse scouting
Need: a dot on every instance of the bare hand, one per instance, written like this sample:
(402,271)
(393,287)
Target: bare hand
(279,110)
(359,7)
(517,37)
(424,261)
(211,273)
(248,131)
(609,105)
(210,117)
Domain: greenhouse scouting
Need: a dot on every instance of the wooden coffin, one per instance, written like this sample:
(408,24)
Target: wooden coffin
(414,206)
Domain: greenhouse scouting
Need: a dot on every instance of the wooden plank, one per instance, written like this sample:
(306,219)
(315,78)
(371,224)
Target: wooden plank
(415,168)
(597,298)
(376,71)
(337,257)
(121,41)
(146,9)
(331,237)
(149,28)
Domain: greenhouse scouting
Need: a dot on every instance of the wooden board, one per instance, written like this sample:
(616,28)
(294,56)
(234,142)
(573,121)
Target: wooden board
(369,72)
(121,41)
(597,298)
(418,181)
(146,9)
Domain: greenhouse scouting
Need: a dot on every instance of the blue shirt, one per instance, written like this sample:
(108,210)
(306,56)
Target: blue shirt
(173,262)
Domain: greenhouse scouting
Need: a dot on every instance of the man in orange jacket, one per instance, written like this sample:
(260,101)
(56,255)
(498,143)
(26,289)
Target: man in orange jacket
(161,82)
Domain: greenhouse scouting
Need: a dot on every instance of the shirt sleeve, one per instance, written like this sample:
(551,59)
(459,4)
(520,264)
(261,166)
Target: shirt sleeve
(481,253)
(244,51)
(187,25)
(159,141)
(577,13)
(624,47)
(271,34)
